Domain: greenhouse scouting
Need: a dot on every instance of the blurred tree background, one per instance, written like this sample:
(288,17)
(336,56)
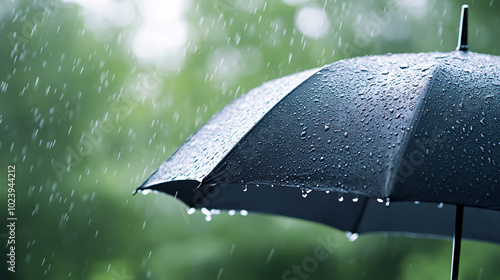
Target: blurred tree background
(94,95)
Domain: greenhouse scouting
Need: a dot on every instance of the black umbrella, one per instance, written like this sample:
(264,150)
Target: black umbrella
(408,139)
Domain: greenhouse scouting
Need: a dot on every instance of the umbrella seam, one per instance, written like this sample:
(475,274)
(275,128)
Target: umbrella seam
(406,142)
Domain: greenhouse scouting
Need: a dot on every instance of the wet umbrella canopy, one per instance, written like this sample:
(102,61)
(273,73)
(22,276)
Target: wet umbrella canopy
(379,143)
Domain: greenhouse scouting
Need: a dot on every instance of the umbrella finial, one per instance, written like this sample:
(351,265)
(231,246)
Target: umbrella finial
(462,33)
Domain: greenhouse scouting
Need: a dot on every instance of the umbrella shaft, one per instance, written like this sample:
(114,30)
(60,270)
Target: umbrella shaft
(457,241)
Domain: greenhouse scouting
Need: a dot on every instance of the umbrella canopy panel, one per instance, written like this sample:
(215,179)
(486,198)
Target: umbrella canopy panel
(454,153)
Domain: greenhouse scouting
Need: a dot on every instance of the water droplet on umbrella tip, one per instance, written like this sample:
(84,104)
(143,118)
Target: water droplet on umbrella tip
(231,212)
(440,205)
(244,213)
(380,200)
(387,202)
(341,197)
(351,236)
(145,192)
(305,192)
(191,210)
(417,202)
(244,188)
(355,199)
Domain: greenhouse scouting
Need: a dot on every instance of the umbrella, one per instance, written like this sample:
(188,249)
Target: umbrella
(391,143)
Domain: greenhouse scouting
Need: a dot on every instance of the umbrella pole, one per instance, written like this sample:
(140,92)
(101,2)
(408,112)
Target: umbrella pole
(457,241)
(459,217)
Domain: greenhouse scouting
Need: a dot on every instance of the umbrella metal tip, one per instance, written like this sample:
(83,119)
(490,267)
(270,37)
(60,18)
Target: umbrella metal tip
(462,33)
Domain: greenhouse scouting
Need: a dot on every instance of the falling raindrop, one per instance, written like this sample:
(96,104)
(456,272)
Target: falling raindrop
(270,255)
(220,273)
(387,202)
(232,250)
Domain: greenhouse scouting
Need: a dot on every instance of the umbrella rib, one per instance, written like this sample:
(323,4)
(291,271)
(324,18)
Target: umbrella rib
(360,216)
(204,194)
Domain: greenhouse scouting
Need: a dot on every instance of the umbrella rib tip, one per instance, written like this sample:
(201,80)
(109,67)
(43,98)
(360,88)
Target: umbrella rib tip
(462,33)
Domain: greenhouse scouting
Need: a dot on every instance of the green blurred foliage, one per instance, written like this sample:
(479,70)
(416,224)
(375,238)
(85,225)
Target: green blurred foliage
(85,122)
